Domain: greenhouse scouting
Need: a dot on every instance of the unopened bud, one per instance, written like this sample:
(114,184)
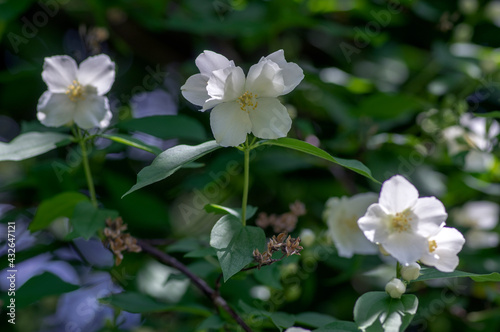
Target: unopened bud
(307,237)
(410,272)
(395,288)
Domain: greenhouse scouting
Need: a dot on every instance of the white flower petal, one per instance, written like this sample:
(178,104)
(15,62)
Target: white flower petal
(230,125)
(431,215)
(226,84)
(209,61)
(59,72)
(97,71)
(91,111)
(265,79)
(270,119)
(448,243)
(55,109)
(374,223)
(407,248)
(195,89)
(398,194)
(292,73)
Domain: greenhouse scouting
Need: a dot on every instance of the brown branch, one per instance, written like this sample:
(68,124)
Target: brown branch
(217,300)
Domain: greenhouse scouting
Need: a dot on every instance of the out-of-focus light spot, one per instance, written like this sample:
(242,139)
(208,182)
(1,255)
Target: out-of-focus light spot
(334,75)
(465,50)
(468,6)
(492,11)
(260,292)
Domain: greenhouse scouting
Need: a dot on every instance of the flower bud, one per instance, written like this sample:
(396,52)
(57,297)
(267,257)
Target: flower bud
(395,288)
(307,237)
(410,272)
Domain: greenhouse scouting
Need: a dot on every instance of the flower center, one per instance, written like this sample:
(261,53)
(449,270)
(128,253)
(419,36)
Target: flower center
(352,222)
(432,245)
(247,101)
(75,91)
(401,221)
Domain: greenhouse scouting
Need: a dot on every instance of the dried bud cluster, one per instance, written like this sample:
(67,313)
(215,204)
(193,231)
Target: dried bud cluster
(119,241)
(285,222)
(287,245)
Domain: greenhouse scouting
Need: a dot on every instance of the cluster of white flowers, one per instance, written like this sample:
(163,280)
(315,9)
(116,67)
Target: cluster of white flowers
(243,105)
(76,94)
(410,228)
(407,227)
(476,136)
(480,217)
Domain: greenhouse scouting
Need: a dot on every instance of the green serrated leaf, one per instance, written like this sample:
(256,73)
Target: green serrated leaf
(235,243)
(429,274)
(219,209)
(133,142)
(167,127)
(87,219)
(377,311)
(169,161)
(302,146)
(32,144)
(61,205)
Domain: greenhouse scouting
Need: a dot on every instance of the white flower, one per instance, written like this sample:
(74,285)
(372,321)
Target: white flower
(478,239)
(443,248)
(243,104)
(296,329)
(341,215)
(401,222)
(477,214)
(410,272)
(76,94)
(395,288)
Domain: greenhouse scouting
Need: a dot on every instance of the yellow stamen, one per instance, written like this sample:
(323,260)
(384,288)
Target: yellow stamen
(247,101)
(400,222)
(75,91)
(432,245)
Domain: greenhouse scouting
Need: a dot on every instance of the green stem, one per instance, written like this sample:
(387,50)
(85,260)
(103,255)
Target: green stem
(398,270)
(86,167)
(245,183)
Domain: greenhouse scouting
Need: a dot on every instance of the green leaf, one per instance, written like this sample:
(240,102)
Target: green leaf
(201,253)
(40,286)
(169,161)
(492,114)
(61,205)
(167,127)
(219,209)
(87,219)
(32,144)
(377,311)
(269,276)
(235,243)
(302,146)
(314,319)
(338,326)
(282,319)
(212,322)
(387,106)
(140,303)
(133,142)
(429,274)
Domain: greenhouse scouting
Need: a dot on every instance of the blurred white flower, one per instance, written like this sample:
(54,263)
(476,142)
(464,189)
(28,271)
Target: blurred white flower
(296,329)
(307,237)
(443,249)
(401,222)
(478,239)
(341,216)
(477,214)
(243,104)
(76,94)
(395,288)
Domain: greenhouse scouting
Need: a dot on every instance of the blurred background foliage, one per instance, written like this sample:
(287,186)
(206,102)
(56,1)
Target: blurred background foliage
(383,79)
